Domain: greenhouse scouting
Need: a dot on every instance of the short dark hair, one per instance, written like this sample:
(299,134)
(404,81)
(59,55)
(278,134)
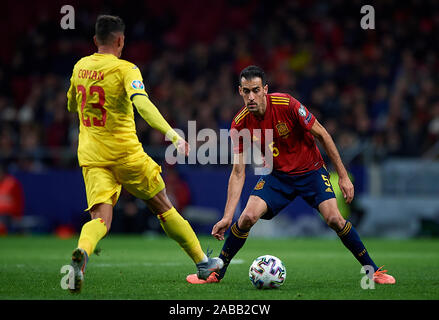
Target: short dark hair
(251,72)
(106,25)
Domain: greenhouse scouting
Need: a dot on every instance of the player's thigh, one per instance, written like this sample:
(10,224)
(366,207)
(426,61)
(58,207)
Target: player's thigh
(140,176)
(315,188)
(275,193)
(256,207)
(101,186)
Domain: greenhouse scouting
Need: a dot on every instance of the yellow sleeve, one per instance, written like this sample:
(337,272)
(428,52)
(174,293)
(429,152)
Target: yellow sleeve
(72,105)
(133,81)
(152,115)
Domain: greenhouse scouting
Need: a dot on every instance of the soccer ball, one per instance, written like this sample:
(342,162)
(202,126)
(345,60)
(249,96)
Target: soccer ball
(267,272)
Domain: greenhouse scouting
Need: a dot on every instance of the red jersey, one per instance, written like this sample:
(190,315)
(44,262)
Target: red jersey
(293,147)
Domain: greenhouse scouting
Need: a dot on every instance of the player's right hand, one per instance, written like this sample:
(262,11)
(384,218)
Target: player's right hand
(220,228)
(347,188)
(183,147)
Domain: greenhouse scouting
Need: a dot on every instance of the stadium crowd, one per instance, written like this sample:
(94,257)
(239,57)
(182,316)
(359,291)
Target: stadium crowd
(376,91)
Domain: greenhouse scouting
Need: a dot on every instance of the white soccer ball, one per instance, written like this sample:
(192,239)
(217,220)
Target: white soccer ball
(267,272)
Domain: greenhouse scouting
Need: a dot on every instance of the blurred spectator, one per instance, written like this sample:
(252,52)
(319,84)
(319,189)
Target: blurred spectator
(177,189)
(131,215)
(128,217)
(11,200)
(433,127)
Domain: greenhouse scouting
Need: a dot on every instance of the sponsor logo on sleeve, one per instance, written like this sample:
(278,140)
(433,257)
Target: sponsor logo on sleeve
(308,118)
(137,84)
(302,110)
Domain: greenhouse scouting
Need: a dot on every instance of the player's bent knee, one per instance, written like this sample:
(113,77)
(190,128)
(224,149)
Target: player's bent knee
(335,221)
(247,220)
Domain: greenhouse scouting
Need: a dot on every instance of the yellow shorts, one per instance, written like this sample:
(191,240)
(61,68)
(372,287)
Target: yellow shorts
(139,175)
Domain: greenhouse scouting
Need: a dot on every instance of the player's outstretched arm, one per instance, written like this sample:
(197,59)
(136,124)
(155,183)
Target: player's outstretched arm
(346,186)
(236,182)
(152,115)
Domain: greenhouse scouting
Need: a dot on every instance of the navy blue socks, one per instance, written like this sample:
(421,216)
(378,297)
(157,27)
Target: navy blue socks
(234,242)
(351,239)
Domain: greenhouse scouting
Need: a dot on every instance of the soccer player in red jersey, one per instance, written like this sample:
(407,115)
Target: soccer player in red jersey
(297,170)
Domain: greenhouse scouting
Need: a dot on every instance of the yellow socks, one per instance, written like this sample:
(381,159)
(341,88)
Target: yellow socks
(179,229)
(91,233)
(174,225)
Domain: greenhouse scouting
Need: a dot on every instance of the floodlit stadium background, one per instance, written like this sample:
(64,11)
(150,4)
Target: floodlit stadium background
(376,91)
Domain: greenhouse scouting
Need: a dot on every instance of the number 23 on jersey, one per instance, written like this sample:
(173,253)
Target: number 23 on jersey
(97,122)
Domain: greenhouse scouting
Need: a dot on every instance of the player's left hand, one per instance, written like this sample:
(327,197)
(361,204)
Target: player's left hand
(220,228)
(347,188)
(183,147)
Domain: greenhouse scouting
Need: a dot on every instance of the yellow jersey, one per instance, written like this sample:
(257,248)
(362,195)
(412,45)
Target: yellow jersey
(101,89)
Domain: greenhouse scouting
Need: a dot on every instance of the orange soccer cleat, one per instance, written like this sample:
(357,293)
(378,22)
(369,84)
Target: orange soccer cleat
(193,278)
(381,277)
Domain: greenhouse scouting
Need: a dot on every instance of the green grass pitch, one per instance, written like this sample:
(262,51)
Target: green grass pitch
(155,268)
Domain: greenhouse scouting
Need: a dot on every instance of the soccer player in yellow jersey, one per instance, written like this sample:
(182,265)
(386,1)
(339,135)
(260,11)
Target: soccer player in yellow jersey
(103,90)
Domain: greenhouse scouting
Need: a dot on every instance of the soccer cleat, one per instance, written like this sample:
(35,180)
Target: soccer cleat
(193,278)
(207,268)
(79,262)
(381,277)
(213,278)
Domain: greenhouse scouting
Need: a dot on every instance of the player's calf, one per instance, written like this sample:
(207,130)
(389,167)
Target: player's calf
(103,211)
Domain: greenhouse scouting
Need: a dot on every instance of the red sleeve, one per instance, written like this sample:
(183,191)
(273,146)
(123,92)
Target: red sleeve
(240,136)
(302,115)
